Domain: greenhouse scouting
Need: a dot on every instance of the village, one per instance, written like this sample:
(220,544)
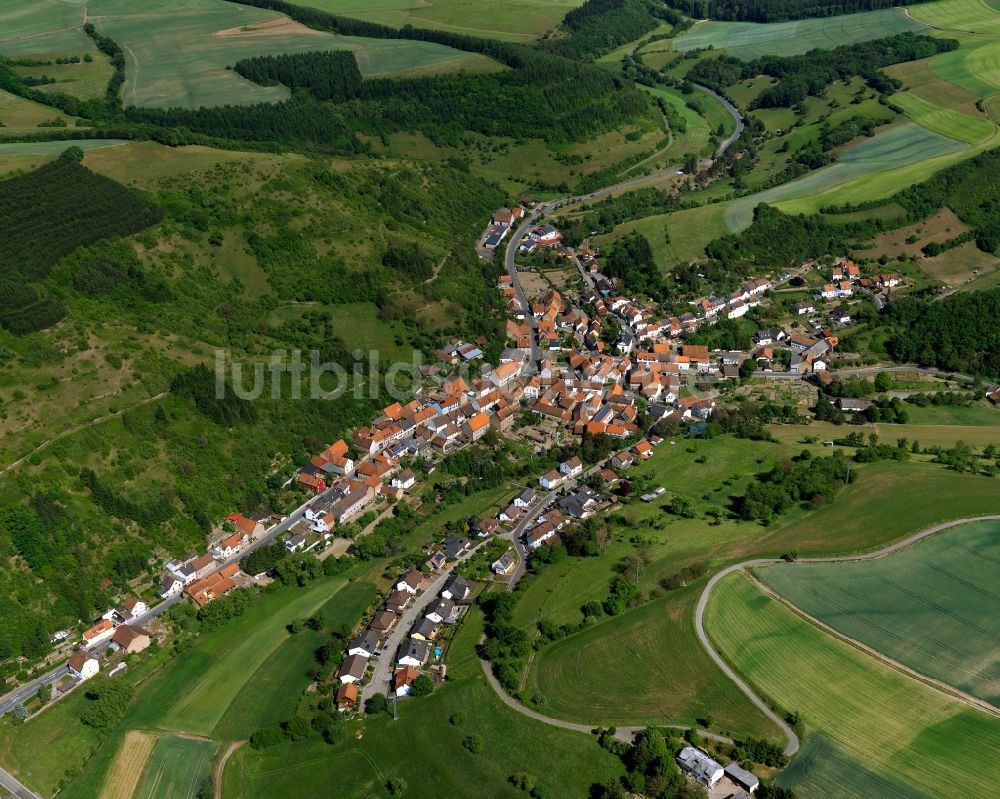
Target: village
(560,378)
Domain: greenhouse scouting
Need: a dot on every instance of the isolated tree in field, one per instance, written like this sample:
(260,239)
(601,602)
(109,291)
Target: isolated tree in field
(883,381)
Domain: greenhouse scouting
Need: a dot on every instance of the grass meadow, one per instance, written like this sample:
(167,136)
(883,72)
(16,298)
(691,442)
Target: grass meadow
(749,40)
(931,607)
(30,27)
(896,725)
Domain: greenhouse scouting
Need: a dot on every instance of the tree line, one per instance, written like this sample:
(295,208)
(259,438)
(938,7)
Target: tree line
(779,10)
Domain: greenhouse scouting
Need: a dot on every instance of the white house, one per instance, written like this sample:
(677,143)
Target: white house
(551,480)
(572,467)
(134,608)
(170,585)
(413,653)
(364,643)
(83,665)
(410,582)
(700,766)
(524,498)
(405,480)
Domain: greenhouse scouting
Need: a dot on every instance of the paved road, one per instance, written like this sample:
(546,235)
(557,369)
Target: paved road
(699,618)
(870,370)
(621,733)
(12,786)
(381,680)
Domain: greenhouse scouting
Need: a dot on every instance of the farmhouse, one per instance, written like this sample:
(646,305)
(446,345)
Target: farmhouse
(700,766)
(83,665)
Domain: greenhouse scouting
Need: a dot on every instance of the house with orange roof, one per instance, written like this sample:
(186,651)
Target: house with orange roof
(230,545)
(213,586)
(476,426)
(100,632)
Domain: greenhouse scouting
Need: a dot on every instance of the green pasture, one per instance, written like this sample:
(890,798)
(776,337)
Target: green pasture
(516,20)
(822,769)
(425,748)
(179,56)
(689,230)
(28,27)
(642,667)
(749,40)
(896,725)
(86,80)
(959,16)
(931,607)
(945,121)
(176,768)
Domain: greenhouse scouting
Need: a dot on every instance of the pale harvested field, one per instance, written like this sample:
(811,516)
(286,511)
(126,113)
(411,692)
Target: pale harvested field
(128,766)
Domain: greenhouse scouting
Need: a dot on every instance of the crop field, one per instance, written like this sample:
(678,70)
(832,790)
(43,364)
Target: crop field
(874,160)
(918,78)
(518,20)
(129,765)
(910,730)
(932,607)
(177,768)
(945,121)
(749,40)
(29,27)
(822,769)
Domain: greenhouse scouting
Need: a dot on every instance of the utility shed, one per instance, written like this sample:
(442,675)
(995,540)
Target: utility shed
(745,779)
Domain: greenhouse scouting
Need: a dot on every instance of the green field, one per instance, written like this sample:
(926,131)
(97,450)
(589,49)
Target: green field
(931,607)
(945,121)
(176,768)
(898,727)
(515,20)
(749,40)
(868,167)
(821,769)
(28,27)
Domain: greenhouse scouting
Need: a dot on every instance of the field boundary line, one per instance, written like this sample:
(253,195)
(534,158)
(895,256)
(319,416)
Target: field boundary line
(931,682)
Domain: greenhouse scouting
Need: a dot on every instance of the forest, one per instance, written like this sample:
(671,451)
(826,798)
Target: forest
(599,26)
(46,214)
(809,74)
(959,333)
(778,10)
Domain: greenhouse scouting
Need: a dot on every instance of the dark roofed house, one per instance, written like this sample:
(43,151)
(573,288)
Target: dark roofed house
(352,669)
(424,630)
(365,643)
(454,546)
(852,405)
(384,621)
(743,778)
(413,652)
(457,589)
(442,611)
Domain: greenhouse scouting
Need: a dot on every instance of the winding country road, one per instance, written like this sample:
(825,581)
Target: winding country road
(628,733)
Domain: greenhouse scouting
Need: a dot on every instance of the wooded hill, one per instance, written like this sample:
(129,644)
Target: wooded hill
(778,10)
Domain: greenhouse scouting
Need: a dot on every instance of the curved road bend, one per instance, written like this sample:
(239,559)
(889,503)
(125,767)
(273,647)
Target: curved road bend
(699,618)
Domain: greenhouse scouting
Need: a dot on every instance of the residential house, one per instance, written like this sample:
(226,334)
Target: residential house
(476,426)
(296,542)
(571,467)
(505,563)
(251,528)
(99,633)
(402,680)
(458,589)
(215,585)
(347,696)
(524,498)
(551,480)
(170,585)
(365,643)
(411,581)
(231,545)
(413,653)
(424,630)
(383,622)
(353,669)
(83,665)
(851,405)
(623,459)
(443,611)
(455,546)
(397,601)
(840,316)
(353,502)
(405,479)
(436,561)
(131,638)
(486,527)
(700,766)
(539,534)
(804,307)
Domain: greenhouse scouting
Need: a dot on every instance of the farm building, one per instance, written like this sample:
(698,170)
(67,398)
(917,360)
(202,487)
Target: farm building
(700,766)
